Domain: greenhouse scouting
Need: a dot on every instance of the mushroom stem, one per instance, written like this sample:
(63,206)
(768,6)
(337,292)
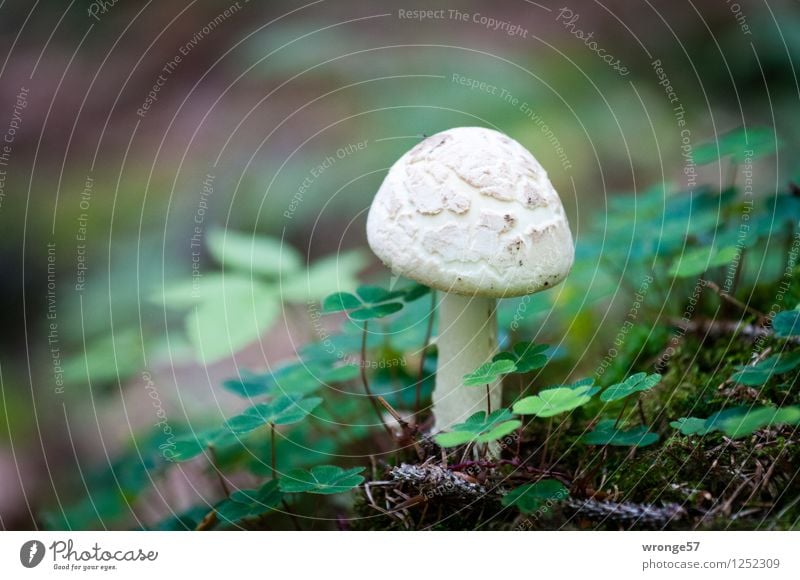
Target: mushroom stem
(467,339)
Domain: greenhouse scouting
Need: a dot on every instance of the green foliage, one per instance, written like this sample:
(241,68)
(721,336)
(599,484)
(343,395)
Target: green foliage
(633,384)
(693,426)
(340,301)
(249,503)
(489,372)
(106,359)
(526,356)
(738,422)
(695,262)
(787,323)
(371,301)
(187,520)
(226,311)
(297,378)
(480,429)
(248,252)
(322,479)
(189,446)
(529,498)
(759,374)
(414,292)
(230,318)
(760,141)
(750,420)
(283,410)
(606,433)
(325,276)
(555,400)
(661,240)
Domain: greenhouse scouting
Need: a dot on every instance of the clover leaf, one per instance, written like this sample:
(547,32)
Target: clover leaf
(739,144)
(284,410)
(252,253)
(249,503)
(633,384)
(738,422)
(376,294)
(226,311)
(184,449)
(340,301)
(786,323)
(322,479)
(759,374)
(605,433)
(489,372)
(529,497)
(324,276)
(183,521)
(480,429)
(699,426)
(692,426)
(414,292)
(369,302)
(299,377)
(189,446)
(554,401)
(377,311)
(750,420)
(526,356)
(585,382)
(695,262)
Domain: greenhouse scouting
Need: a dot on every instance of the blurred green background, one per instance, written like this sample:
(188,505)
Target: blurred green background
(101,198)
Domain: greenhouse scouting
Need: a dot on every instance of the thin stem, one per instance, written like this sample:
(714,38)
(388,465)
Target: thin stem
(208,521)
(640,407)
(488,401)
(557,436)
(317,502)
(621,413)
(272,450)
(393,412)
(738,273)
(424,513)
(292,516)
(546,442)
(728,298)
(787,245)
(365,382)
(408,431)
(425,344)
(213,458)
(733,170)
(602,456)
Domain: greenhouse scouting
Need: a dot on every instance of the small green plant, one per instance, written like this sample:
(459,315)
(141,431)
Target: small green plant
(739,422)
(607,432)
(322,479)
(531,497)
(690,375)
(480,428)
(638,383)
(557,400)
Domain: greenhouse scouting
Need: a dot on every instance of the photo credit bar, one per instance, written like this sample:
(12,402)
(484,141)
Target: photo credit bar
(706,555)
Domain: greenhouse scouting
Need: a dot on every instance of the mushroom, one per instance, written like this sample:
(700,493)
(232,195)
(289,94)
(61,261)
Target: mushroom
(471,213)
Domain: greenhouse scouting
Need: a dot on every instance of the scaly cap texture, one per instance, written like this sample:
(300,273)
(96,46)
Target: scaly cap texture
(470,211)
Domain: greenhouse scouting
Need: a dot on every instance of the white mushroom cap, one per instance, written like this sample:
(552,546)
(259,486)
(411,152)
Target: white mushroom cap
(470,211)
